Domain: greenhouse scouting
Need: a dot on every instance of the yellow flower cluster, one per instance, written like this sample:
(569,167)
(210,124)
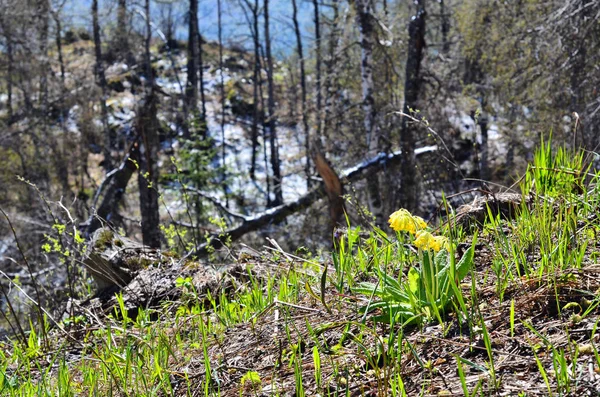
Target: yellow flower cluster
(427,241)
(404,221)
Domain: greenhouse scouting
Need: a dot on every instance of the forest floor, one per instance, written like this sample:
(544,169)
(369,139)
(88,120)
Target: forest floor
(508,306)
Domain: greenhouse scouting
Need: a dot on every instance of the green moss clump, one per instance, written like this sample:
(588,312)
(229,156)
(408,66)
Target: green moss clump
(137,262)
(104,240)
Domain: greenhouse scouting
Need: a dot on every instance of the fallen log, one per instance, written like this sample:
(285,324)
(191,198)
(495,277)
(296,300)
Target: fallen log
(279,213)
(505,205)
(145,277)
(114,260)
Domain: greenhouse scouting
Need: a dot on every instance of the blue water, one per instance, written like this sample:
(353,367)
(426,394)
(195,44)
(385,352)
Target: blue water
(235,26)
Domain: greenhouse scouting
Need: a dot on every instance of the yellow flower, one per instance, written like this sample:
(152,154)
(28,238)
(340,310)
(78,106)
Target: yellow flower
(421,224)
(442,242)
(426,241)
(404,221)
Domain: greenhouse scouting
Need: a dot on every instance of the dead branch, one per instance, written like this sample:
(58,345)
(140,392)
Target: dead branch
(115,184)
(279,213)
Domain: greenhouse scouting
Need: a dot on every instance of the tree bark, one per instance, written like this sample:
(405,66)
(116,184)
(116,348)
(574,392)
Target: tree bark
(256,80)
(331,77)
(409,185)
(578,75)
(484,173)
(318,65)
(9,73)
(201,78)
(170,30)
(222,89)
(275,162)
(61,165)
(101,82)
(191,88)
(59,50)
(43,15)
(445,27)
(122,40)
(147,129)
(116,183)
(366,25)
(303,94)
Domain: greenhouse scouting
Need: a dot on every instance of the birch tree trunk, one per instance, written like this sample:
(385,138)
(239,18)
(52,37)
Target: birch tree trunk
(366,25)
(330,76)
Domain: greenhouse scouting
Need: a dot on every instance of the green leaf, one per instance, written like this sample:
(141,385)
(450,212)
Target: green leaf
(323,285)
(414,279)
(388,280)
(466,262)
(367,289)
(399,312)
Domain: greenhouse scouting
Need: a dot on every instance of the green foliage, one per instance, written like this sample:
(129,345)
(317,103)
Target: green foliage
(425,293)
(555,175)
(250,380)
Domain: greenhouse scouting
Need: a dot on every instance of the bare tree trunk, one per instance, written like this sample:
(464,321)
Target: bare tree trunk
(303,94)
(201,78)
(264,130)
(318,65)
(256,79)
(43,15)
(409,185)
(366,25)
(484,173)
(43,151)
(445,27)
(9,75)
(331,78)
(116,183)
(122,39)
(170,30)
(60,163)
(147,129)
(191,88)
(578,74)
(275,163)
(222,87)
(101,81)
(59,50)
